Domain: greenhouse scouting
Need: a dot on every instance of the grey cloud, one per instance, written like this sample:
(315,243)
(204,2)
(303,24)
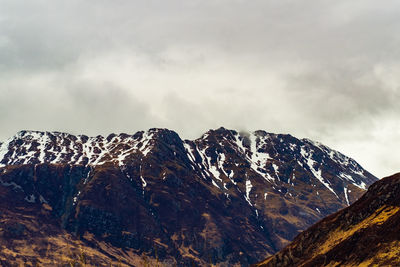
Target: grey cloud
(327,70)
(82,109)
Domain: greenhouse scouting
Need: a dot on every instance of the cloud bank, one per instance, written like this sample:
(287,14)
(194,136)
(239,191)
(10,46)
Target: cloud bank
(326,70)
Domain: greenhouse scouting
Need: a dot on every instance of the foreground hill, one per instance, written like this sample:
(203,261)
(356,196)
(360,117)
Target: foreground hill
(226,198)
(365,234)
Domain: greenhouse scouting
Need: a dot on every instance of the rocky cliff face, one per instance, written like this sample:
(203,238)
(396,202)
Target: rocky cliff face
(226,198)
(364,234)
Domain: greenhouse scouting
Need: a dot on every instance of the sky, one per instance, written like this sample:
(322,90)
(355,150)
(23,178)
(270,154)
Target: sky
(320,69)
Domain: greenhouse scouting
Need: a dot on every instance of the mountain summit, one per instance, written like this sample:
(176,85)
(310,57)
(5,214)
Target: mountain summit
(226,197)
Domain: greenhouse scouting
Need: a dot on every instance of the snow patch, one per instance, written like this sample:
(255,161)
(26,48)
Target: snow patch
(249,186)
(144,183)
(317,173)
(215,184)
(230,176)
(31,198)
(42,199)
(258,160)
(189,153)
(146,147)
(346,196)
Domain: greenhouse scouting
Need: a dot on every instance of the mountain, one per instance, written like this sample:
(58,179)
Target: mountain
(225,198)
(364,234)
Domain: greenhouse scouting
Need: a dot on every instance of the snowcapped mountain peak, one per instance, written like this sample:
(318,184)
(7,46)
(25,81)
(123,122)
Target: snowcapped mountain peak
(34,147)
(272,185)
(221,156)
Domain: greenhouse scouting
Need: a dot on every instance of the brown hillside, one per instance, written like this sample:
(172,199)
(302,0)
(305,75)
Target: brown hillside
(365,234)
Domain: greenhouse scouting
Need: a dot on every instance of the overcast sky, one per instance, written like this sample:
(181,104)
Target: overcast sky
(325,70)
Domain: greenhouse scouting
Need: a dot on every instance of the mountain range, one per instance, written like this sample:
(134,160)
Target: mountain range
(226,198)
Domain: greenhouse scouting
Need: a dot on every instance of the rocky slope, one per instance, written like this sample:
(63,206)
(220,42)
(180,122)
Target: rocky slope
(365,234)
(226,198)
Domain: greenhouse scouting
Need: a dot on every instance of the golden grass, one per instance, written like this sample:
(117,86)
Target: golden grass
(391,252)
(61,250)
(339,235)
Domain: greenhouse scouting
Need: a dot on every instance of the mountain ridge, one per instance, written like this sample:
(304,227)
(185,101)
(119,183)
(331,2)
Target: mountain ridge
(140,137)
(226,196)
